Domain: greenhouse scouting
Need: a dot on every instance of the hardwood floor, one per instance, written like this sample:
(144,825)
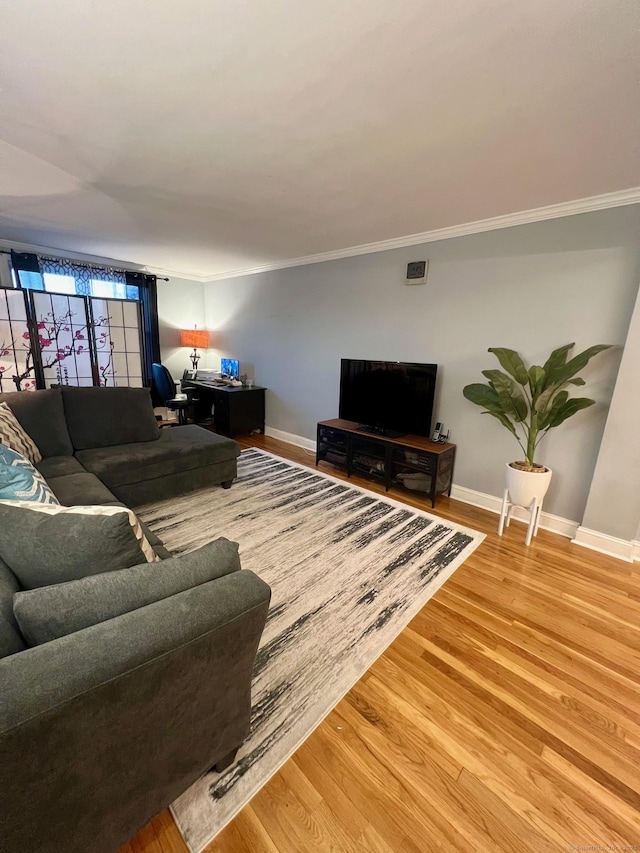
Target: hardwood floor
(506,717)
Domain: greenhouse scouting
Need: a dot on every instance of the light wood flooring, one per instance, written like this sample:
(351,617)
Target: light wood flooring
(505,717)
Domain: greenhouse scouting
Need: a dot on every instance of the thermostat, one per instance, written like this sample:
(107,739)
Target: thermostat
(417,272)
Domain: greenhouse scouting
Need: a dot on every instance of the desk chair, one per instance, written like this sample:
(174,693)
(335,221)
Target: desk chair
(165,388)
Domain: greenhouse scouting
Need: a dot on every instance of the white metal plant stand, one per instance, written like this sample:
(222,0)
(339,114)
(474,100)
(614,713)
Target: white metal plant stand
(527,490)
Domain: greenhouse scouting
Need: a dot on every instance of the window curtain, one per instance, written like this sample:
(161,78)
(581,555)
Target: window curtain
(83,276)
(148,290)
(27,270)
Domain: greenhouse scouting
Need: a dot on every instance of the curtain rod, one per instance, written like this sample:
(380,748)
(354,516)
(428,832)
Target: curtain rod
(85,264)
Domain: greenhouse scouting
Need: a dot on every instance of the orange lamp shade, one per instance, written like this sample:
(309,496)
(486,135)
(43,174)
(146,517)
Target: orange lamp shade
(196,338)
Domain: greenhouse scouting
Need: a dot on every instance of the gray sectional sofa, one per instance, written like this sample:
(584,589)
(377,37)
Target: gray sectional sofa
(104,444)
(102,728)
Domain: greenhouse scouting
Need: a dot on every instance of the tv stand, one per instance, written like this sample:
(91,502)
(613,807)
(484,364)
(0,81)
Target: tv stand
(411,461)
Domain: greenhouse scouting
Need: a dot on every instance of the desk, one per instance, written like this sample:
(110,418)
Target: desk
(235,410)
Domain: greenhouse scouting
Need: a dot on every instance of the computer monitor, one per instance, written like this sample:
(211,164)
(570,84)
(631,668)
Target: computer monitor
(230,367)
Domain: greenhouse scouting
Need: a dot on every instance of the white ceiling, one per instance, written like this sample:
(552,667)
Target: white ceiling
(211,136)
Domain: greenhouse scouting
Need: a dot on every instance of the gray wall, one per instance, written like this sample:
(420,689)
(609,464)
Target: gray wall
(180,306)
(613,506)
(532,288)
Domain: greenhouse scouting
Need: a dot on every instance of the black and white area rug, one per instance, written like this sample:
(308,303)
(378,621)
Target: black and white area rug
(348,570)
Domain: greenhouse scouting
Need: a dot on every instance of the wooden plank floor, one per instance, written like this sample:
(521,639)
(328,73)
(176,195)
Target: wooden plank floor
(505,717)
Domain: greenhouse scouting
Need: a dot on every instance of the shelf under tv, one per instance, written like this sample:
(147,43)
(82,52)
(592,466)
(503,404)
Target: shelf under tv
(412,461)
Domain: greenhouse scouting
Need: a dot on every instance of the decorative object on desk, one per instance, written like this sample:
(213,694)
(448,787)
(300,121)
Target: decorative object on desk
(230,367)
(196,338)
(532,400)
(348,570)
(249,383)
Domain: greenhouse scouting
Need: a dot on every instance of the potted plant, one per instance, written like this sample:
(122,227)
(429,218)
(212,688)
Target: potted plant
(530,402)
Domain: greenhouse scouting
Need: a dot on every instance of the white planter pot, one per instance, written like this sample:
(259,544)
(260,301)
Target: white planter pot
(525,486)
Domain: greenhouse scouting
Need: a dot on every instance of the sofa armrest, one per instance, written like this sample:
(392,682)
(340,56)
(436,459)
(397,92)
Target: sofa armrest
(101,729)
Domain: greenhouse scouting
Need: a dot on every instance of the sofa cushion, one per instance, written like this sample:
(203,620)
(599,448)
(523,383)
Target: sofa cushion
(82,489)
(179,448)
(42,416)
(50,612)
(13,435)
(11,640)
(45,545)
(19,480)
(104,417)
(59,466)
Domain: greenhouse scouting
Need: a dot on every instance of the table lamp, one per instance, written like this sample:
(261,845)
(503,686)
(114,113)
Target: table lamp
(194,338)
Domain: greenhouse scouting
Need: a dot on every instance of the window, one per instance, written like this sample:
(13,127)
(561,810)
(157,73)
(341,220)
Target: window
(69,324)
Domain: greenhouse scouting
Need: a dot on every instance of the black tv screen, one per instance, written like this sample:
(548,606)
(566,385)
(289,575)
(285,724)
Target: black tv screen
(390,397)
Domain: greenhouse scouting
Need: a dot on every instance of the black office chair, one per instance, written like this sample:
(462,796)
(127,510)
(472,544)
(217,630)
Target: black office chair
(164,389)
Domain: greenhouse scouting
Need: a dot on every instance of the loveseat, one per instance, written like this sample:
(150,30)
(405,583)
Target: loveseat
(105,721)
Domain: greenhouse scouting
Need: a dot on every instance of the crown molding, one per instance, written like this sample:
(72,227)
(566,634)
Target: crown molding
(509,220)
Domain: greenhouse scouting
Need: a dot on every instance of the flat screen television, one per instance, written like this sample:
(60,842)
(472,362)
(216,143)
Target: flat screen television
(391,398)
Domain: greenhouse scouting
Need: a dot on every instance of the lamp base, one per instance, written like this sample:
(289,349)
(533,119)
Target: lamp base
(195,358)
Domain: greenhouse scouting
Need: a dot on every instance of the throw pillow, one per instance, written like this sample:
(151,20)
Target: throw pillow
(19,480)
(12,435)
(50,612)
(44,544)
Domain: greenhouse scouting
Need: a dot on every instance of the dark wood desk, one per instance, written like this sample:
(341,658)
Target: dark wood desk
(235,410)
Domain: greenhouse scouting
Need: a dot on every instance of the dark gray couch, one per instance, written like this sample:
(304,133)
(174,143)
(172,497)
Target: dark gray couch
(104,727)
(101,445)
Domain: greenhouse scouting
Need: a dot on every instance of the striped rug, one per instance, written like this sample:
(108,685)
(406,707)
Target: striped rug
(348,571)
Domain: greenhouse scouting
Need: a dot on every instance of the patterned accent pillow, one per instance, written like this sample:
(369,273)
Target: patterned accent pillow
(12,435)
(19,480)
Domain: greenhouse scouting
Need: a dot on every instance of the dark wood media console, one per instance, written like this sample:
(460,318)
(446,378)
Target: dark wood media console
(412,459)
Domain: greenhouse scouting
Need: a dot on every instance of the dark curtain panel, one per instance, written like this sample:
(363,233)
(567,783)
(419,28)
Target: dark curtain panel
(149,306)
(27,269)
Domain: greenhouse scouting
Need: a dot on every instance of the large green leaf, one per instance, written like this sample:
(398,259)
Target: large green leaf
(512,363)
(499,380)
(513,403)
(504,420)
(568,409)
(546,415)
(485,396)
(480,394)
(564,373)
(543,403)
(556,360)
(537,377)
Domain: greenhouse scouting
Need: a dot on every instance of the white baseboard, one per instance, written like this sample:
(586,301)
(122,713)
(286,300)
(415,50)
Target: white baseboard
(548,521)
(620,548)
(623,549)
(291,438)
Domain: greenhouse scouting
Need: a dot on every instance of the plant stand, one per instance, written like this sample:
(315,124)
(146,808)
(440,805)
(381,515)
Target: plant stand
(526,489)
(505,516)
